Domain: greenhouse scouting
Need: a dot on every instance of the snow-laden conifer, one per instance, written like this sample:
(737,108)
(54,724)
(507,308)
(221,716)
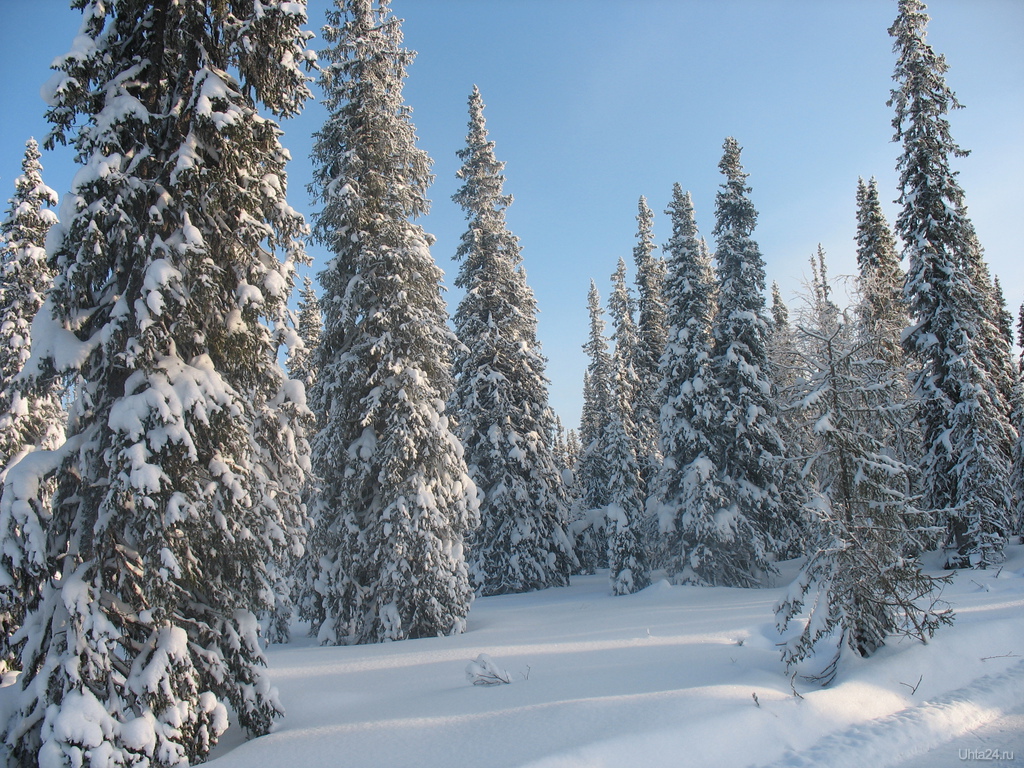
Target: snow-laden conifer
(500,400)
(395,502)
(881,315)
(185,458)
(749,451)
(963,364)
(860,583)
(651,335)
(782,345)
(1017,467)
(593,470)
(627,559)
(31,416)
(310,328)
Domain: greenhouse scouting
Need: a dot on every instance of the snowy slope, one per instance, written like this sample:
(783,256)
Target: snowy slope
(665,677)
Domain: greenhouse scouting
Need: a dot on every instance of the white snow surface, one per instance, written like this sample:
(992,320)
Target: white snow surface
(670,676)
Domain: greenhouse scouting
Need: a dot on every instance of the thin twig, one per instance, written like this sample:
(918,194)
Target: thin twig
(1003,656)
(913,688)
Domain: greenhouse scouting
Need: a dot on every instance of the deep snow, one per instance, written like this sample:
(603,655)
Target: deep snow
(666,677)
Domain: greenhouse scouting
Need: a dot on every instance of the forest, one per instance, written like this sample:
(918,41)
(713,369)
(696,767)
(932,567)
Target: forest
(193,465)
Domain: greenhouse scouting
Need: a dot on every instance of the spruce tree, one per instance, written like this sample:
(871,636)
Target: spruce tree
(651,333)
(627,558)
(859,582)
(500,401)
(31,417)
(395,502)
(1017,466)
(705,544)
(881,316)
(954,336)
(185,457)
(593,471)
(310,328)
(749,452)
(882,310)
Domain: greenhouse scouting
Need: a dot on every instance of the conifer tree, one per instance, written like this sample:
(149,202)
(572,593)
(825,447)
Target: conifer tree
(954,336)
(624,512)
(1017,465)
(882,316)
(310,328)
(782,347)
(705,545)
(395,502)
(651,335)
(500,401)
(749,452)
(859,582)
(593,468)
(882,310)
(30,417)
(627,558)
(185,456)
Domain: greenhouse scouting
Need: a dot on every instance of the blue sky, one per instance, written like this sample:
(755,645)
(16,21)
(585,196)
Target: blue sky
(593,103)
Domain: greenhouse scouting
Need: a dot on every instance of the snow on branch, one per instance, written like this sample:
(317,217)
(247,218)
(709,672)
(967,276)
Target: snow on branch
(484,671)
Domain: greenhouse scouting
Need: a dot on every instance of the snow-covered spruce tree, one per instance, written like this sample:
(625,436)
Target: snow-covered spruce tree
(1017,402)
(966,433)
(782,345)
(310,328)
(395,502)
(651,335)
(593,470)
(30,417)
(704,544)
(859,583)
(881,315)
(500,400)
(882,309)
(185,457)
(750,455)
(626,382)
(288,571)
(627,558)
(572,452)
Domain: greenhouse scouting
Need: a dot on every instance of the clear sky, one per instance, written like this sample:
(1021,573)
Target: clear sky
(593,103)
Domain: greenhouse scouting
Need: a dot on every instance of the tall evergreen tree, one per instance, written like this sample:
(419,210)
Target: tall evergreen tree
(882,309)
(782,346)
(593,468)
(705,544)
(395,502)
(651,333)
(881,316)
(750,454)
(861,583)
(185,456)
(625,381)
(30,417)
(627,559)
(1018,446)
(960,387)
(500,401)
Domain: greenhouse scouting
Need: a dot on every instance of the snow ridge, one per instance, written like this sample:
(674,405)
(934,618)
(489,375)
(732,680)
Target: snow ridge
(893,739)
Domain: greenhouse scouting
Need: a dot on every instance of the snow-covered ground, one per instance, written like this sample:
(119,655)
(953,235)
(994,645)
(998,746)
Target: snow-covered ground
(671,676)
